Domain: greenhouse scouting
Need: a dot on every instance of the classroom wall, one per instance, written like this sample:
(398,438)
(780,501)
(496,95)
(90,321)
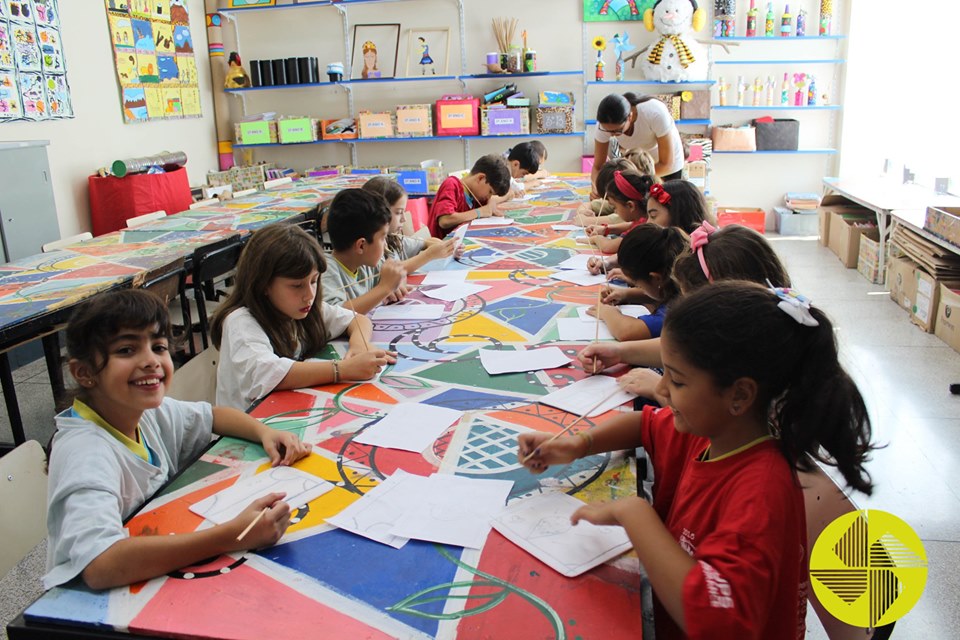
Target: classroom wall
(97,135)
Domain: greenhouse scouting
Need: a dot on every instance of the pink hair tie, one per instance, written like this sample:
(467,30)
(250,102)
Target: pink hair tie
(699,239)
(659,194)
(626,188)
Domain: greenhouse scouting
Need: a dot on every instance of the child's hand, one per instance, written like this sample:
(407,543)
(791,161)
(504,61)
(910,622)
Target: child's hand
(268,529)
(616,274)
(398,294)
(364,366)
(614,295)
(606,312)
(595,265)
(443,249)
(493,206)
(583,211)
(600,514)
(392,274)
(283,448)
(560,451)
(606,354)
(641,381)
(594,229)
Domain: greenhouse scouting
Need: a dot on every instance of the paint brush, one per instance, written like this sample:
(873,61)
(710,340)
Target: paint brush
(571,425)
(359,328)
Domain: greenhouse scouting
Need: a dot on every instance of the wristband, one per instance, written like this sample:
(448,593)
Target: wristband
(336,371)
(586,435)
(478,214)
(605,227)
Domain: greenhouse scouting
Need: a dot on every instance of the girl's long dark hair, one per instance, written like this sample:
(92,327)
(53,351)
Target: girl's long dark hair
(732,253)
(687,206)
(391,191)
(649,248)
(735,329)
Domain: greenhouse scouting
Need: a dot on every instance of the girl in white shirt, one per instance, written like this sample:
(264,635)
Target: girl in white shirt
(274,319)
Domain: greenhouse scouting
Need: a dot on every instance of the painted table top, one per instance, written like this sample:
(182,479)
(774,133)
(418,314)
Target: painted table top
(322,582)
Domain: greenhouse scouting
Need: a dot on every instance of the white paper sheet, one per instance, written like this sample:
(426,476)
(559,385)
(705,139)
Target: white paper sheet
(492,221)
(408,312)
(577,262)
(583,396)
(301,487)
(582,278)
(409,426)
(632,310)
(565,227)
(454,292)
(455,510)
(540,525)
(445,277)
(577,329)
(374,515)
(496,362)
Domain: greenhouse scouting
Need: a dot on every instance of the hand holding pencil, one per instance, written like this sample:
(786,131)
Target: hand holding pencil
(263,522)
(538,450)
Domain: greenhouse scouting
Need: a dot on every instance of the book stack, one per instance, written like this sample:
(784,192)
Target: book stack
(802,201)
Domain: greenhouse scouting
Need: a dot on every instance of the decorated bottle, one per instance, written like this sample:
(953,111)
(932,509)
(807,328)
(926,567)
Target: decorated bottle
(785,90)
(768,26)
(826,15)
(786,22)
(771,88)
(752,20)
(812,92)
(801,23)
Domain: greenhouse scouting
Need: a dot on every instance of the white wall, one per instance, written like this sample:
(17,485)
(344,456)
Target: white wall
(97,135)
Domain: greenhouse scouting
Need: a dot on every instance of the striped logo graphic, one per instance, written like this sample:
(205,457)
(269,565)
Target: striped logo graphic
(868,568)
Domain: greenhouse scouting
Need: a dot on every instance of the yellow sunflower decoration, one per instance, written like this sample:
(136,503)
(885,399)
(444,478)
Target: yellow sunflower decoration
(600,43)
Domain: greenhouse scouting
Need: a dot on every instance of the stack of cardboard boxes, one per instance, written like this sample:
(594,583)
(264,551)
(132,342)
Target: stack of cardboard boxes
(843,226)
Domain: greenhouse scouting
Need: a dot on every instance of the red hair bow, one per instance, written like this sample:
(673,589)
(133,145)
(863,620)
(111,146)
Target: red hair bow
(660,194)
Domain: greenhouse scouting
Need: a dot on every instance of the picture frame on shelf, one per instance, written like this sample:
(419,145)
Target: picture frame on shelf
(428,51)
(375,48)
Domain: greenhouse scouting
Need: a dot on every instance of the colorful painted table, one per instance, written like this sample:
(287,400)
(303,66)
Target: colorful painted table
(325,583)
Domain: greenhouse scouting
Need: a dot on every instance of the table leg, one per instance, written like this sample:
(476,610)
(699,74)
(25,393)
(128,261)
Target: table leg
(883,226)
(10,399)
(51,352)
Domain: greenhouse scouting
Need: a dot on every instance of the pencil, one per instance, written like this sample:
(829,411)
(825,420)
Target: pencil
(251,525)
(596,336)
(571,425)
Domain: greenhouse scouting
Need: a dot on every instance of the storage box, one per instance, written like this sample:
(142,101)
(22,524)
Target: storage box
(924,312)
(259,132)
(791,223)
(435,174)
(948,315)
(845,232)
(672,102)
(902,283)
(458,116)
(734,138)
(413,179)
(341,129)
(414,121)
(868,256)
(586,164)
(113,199)
(555,119)
(751,217)
(504,121)
(783,134)
(375,125)
(944,222)
(695,105)
(696,172)
(292,130)
(833,203)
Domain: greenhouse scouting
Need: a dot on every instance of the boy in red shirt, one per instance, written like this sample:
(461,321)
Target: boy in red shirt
(476,196)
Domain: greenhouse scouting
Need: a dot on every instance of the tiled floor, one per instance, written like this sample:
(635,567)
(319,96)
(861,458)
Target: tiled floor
(904,375)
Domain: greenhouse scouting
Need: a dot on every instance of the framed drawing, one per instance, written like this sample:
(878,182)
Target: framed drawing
(428,51)
(615,10)
(375,51)
(243,4)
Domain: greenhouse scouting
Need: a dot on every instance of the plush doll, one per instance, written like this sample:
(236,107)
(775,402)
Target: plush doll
(676,56)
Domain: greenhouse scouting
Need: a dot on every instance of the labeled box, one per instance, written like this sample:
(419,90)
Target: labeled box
(458,116)
(845,231)
(751,217)
(375,125)
(293,130)
(259,132)
(504,121)
(340,129)
(555,119)
(902,283)
(414,121)
(944,222)
(947,326)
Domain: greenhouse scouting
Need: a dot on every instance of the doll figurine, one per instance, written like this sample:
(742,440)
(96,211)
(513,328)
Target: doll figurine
(236,77)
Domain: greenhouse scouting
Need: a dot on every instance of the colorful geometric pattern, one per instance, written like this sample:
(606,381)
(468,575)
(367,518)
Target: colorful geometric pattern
(324,582)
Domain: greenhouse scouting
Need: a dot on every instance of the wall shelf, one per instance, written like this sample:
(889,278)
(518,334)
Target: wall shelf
(653,82)
(797,152)
(526,74)
(790,62)
(310,85)
(301,5)
(781,39)
(825,107)
(421,139)
(690,122)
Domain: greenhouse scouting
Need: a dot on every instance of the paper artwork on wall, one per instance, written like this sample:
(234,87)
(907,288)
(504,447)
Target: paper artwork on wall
(154,59)
(33,69)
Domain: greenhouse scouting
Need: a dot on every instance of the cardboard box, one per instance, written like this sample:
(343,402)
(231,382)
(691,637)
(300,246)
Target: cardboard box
(695,105)
(375,125)
(823,222)
(845,231)
(340,129)
(791,223)
(696,172)
(554,119)
(948,315)
(751,217)
(924,312)
(458,116)
(832,203)
(293,130)
(868,256)
(902,283)
(944,222)
(504,121)
(414,121)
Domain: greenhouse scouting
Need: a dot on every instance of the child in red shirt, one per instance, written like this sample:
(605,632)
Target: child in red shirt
(753,390)
(476,196)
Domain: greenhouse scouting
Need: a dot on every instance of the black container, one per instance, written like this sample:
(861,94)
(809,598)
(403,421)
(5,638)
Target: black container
(293,71)
(266,73)
(279,72)
(255,73)
(303,68)
(314,69)
(780,135)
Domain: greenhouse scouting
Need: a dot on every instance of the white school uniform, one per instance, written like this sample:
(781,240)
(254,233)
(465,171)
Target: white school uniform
(249,368)
(96,482)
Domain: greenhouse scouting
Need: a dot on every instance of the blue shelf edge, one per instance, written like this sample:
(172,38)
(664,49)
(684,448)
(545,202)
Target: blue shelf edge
(793,62)
(525,74)
(826,152)
(308,85)
(818,107)
(781,38)
(688,121)
(354,140)
(654,82)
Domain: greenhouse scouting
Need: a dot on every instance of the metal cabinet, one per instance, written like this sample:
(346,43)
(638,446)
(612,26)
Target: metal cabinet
(28,213)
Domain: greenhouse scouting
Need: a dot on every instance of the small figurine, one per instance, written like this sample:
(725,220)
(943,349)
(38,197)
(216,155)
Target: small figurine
(771,88)
(722,91)
(621,45)
(599,73)
(757,90)
(741,90)
(236,77)
(335,71)
(599,44)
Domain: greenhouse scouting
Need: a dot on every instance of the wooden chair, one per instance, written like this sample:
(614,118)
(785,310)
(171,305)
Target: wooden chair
(64,242)
(212,262)
(204,203)
(196,380)
(23,496)
(145,218)
(824,502)
(169,283)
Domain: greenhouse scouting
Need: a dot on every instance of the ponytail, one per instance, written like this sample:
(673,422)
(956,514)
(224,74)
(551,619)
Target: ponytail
(737,329)
(634,99)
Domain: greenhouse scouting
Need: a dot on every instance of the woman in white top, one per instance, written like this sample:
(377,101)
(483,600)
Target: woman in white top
(637,122)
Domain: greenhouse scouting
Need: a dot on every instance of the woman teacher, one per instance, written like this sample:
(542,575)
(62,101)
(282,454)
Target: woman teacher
(637,122)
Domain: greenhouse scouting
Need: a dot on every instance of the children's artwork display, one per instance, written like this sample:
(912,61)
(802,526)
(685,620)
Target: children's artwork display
(428,51)
(615,10)
(33,71)
(375,51)
(153,55)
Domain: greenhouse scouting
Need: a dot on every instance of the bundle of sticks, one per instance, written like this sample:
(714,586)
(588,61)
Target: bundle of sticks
(505,29)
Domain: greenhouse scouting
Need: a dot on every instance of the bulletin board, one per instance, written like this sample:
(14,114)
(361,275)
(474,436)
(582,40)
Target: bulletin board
(33,71)
(154,58)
